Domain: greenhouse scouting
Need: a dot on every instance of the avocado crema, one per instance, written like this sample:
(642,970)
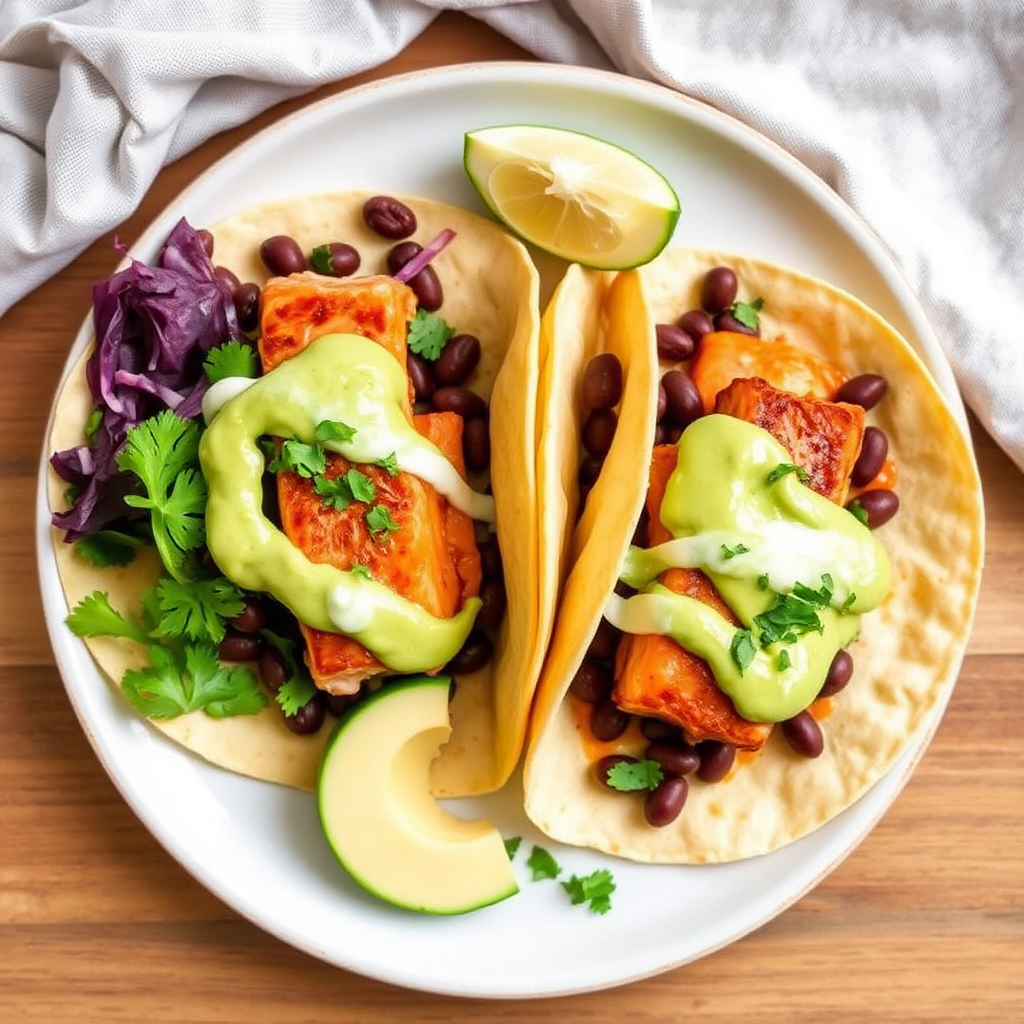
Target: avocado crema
(344,379)
(797,569)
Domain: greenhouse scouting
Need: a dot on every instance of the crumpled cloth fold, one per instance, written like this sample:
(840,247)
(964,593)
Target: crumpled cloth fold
(912,110)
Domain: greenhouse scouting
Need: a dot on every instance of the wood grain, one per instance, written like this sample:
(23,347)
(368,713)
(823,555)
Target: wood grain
(923,922)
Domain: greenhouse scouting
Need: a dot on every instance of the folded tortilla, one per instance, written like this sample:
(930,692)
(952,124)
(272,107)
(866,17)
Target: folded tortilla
(908,655)
(491,291)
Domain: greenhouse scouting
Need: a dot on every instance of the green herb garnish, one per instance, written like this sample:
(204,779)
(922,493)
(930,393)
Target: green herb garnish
(782,662)
(512,846)
(742,649)
(334,430)
(594,889)
(634,776)
(748,313)
(732,552)
(428,334)
(232,359)
(542,864)
(379,522)
(389,464)
(108,547)
(859,512)
(784,469)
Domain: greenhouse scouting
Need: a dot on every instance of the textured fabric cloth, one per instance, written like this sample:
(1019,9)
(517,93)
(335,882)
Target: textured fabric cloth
(912,110)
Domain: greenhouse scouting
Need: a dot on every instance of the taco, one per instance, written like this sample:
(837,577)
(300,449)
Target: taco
(697,703)
(405,547)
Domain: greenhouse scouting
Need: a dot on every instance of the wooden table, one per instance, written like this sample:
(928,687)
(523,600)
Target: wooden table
(923,922)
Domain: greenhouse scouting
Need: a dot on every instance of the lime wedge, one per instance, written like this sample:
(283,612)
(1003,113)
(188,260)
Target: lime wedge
(572,195)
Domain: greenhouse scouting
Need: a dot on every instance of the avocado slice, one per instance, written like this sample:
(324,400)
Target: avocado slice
(378,815)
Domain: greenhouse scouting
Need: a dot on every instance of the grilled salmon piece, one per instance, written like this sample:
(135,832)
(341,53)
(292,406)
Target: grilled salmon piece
(725,356)
(823,438)
(656,677)
(433,558)
(296,309)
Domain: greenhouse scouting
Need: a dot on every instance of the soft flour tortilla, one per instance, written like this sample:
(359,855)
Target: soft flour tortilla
(491,290)
(909,652)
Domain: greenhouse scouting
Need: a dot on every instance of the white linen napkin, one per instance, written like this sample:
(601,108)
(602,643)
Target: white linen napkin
(912,110)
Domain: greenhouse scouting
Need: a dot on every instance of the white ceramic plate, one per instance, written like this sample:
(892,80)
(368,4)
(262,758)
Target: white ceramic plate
(257,846)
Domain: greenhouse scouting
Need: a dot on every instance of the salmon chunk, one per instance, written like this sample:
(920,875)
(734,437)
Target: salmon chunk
(432,558)
(656,677)
(823,438)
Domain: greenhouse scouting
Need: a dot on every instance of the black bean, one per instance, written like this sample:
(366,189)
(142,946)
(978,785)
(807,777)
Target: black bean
(608,721)
(592,682)
(476,652)
(308,719)
(718,290)
(476,444)
(590,470)
(399,255)
(663,805)
(340,259)
(605,642)
(602,381)
(240,646)
(661,406)
(674,344)
(603,765)
(205,240)
(683,401)
(389,217)
(227,277)
(879,505)
(716,760)
(866,390)
(246,299)
(804,735)
(661,433)
(840,671)
(490,559)
(676,757)
(339,703)
(282,256)
(468,404)
(421,373)
(272,669)
(873,451)
(725,321)
(492,604)
(252,618)
(658,729)
(696,323)
(458,360)
(598,432)
(426,285)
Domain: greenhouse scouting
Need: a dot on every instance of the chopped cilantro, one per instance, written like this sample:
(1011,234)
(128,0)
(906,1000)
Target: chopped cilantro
(196,609)
(859,512)
(163,452)
(320,260)
(784,469)
(379,522)
(512,846)
(335,491)
(298,689)
(632,776)
(361,486)
(851,598)
(763,582)
(787,618)
(108,547)
(594,889)
(178,682)
(95,616)
(782,661)
(361,571)
(390,464)
(298,457)
(748,313)
(232,359)
(542,864)
(428,334)
(742,649)
(333,430)
(732,552)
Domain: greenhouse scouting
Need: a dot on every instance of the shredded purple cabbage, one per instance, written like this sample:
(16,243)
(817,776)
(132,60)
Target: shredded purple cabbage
(154,326)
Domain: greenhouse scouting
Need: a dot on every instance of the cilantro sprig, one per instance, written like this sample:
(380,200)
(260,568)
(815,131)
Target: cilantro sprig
(594,890)
(748,313)
(428,334)
(635,776)
(163,452)
(232,359)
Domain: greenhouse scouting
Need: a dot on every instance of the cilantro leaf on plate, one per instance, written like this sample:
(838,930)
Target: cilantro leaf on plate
(512,846)
(232,359)
(163,452)
(542,864)
(594,889)
(428,334)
